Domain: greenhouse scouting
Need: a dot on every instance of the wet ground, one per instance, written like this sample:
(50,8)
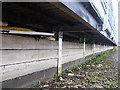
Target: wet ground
(99,72)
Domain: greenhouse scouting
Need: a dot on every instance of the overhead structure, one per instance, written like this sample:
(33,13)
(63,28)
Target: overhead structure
(49,35)
(80,18)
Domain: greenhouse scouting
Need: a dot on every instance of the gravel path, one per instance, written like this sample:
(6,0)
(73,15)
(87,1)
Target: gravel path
(100,72)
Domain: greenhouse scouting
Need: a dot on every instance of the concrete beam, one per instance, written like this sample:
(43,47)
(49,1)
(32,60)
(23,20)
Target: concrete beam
(84,16)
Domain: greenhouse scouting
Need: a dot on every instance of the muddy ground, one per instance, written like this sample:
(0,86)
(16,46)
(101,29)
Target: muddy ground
(98,72)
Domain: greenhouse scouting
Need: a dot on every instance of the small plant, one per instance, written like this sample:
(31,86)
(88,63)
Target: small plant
(68,71)
(39,82)
(116,73)
(56,75)
(108,87)
(113,87)
(43,82)
(73,68)
(83,65)
(34,86)
(77,68)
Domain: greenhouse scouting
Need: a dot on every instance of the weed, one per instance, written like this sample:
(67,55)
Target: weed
(83,65)
(68,71)
(44,82)
(34,86)
(108,87)
(39,82)
(116,73)
(57,75)
(113,87)
(75,69)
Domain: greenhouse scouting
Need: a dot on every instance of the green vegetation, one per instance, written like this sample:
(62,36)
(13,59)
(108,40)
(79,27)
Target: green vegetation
(68,71)
(39,82)
(96,59)
(57,76)
(88,68)
(109,87)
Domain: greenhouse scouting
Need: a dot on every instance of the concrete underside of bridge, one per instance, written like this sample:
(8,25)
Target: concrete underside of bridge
(26,60)
(74,19)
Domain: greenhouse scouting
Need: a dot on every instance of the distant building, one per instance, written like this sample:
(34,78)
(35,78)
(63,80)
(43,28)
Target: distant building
(119,25)
(105,10)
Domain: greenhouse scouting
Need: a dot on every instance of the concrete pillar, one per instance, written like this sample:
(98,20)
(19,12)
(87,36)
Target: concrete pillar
(60,36)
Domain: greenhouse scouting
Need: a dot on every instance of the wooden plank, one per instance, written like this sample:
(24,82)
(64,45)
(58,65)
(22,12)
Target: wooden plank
(89,46)
(67,52)
(1,68)
(25,68)
(70,58)
(72,45)
(0,62)
(0,40)
(0,57)
(22,56)
(13,71)
(20,42)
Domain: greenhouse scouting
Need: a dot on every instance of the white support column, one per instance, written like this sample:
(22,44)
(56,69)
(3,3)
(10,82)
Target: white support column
(84,48)
(60,36)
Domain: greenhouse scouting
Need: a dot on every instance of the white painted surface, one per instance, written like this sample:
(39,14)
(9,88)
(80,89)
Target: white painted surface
(20,56)
(13,71)
(19,42)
